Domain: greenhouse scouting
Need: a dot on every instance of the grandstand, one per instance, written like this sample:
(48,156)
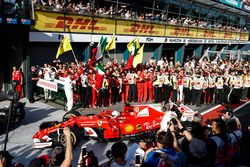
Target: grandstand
(176,29)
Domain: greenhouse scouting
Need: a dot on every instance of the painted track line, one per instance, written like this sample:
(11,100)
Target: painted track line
(241,106)
(211,109)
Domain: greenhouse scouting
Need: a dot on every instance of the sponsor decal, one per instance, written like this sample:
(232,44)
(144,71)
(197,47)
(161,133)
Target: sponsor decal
(139,127)
(99,123)
(149,39)
(208,34)
(176,40)
(137,109)
(151,125)
(77,23)
(143,113)
(47,85)
(181,31)
(90,132)
(129,128)
(228,35)
(141,28)
(244,36)
(47,21)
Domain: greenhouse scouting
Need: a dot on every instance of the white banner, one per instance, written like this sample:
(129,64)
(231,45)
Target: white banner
(47,85)
(57,37)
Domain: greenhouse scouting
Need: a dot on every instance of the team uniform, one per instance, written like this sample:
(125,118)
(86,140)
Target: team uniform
(18,78)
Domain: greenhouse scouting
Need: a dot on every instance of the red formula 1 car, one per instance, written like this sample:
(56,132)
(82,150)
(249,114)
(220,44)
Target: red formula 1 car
(133,121)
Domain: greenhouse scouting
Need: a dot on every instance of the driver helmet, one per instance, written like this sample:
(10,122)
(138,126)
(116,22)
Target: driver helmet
(115,114)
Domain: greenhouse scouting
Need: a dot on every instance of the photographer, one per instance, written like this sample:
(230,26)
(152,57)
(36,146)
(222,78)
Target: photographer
(139,147)
(61,157)
(193,145)
(88,160)
(5,159)
(118,153)
(229,116)
(217,144)
(167,116)
(164,153)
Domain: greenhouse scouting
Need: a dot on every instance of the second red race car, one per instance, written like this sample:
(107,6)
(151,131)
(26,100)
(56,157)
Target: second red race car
(134,121)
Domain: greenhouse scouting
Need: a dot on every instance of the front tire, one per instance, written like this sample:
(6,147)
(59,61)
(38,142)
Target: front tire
(74,138)
(70,114)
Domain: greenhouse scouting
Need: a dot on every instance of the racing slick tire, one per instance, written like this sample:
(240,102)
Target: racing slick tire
(74,138)
(67,116)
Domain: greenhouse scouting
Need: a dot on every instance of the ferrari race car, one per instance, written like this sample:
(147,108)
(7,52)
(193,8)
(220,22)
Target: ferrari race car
(133,121)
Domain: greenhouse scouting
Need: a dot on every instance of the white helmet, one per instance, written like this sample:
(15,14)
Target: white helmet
(115,114)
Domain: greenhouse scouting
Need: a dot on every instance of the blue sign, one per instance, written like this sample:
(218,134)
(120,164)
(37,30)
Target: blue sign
(245,7)
(11,20)
(25,21)
(235,3)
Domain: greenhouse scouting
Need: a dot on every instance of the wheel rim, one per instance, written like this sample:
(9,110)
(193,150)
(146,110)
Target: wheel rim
(63,139)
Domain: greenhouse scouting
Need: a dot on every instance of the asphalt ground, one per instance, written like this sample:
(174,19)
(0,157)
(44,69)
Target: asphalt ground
(20,143)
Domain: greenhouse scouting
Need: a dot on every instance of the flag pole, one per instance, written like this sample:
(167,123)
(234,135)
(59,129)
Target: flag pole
(75,58)
(115,55)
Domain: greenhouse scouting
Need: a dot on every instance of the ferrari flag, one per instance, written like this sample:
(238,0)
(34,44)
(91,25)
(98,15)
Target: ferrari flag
(63,47)
(138,57)
(111,44)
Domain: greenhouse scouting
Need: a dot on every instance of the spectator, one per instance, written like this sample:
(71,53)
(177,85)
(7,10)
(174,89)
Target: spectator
(218,142)
(139,147)
(5,159)
(89,160)
(164,153)
(58,156)
(33,81)
(119,150)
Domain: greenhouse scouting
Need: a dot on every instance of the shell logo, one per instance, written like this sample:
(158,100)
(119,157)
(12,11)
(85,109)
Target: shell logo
(129,128)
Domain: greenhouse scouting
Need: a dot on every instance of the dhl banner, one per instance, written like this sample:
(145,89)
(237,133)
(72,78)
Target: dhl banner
(209,34)
(54,22)
(229,35)
(244,36)
(174,31)
(139,28)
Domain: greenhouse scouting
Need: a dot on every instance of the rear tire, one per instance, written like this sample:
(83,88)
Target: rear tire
(70,114)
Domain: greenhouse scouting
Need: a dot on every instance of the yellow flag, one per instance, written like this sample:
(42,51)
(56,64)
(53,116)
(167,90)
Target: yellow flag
(130,45)
(111,44)
(139,57)
(63,47)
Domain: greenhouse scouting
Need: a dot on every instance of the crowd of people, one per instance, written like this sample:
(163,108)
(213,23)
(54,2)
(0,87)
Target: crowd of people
(81,7)
(175,145)
(196,82)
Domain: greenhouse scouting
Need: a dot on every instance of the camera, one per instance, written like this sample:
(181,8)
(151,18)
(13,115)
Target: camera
(84,150)
(173,120)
